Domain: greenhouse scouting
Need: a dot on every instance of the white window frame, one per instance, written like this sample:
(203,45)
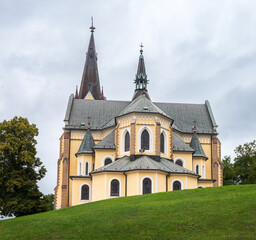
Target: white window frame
(152,184)
(103,160)
(85,168)
(183,161)
(83,200)
(180,183)
(198,169)
(166,149)
(120,193)
(150,139)
(203,171)
(123,141)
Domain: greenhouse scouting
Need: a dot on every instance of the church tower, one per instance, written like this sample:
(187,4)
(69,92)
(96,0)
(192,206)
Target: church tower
(141,80)
(90,83)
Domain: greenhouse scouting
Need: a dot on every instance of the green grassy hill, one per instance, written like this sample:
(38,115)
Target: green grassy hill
(206,213)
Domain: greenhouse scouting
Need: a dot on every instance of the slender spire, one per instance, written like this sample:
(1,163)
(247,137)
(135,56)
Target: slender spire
(76,95)
(102,95)
(141,80)
(90,79)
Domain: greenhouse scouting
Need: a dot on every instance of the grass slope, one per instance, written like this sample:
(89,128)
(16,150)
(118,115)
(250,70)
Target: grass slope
(206,213)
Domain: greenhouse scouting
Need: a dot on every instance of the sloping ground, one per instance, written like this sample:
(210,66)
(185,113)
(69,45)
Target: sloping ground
(209,213)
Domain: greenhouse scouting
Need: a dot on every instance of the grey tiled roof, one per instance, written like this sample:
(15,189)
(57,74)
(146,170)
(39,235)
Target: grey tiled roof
(107,143)
(144,163)
(142,105)
(179,145)
(87,143)
(196,145)
(102,114)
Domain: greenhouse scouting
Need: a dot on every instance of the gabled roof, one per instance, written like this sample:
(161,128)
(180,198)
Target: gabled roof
(142,105)
(144,163)
(87,143)
(107,143)
(102,114)
(196,145)
(179,145)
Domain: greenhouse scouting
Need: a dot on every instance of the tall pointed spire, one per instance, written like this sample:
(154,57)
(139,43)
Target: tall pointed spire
(90,79)
(141,80)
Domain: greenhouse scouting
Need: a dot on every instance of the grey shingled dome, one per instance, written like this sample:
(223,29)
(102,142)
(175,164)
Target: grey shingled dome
(142,105)
(180,146)
(87,143)
(196,145)
(107,143)
(144,162)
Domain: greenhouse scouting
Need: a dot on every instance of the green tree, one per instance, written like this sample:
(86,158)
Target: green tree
(228,171)
(20,169)
(245,163)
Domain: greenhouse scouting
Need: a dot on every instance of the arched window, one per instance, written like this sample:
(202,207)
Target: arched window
(145,140)
(86,168)
(114,191)
(162,142)
(179,162)
(85,192)
(147,184)
(197,169)
(127,142)
(203,172)
(107,161)
(176,185)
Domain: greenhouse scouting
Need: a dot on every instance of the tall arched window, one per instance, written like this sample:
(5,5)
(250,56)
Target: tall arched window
(162,142)
(145,140)
(203,172)
(114,191)
(127,142)
(197,169)
(85,192)
(147,185)
(176,185)
(179,162)
(107,161)
(86,168)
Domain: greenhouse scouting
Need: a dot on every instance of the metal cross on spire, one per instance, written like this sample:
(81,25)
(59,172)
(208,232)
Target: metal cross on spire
(92,27)
(141,50)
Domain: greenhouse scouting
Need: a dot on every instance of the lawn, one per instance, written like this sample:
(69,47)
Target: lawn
(205,213)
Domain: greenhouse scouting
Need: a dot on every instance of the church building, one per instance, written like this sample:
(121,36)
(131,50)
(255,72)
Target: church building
(112,149)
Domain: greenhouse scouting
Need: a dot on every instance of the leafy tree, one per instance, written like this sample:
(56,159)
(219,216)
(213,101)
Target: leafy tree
(228,171)
(245,163)
(243,170)
(20,169)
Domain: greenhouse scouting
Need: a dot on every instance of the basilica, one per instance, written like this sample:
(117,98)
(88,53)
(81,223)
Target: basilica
(112,149)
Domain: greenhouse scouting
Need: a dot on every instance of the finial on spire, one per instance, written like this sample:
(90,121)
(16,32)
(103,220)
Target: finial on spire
(141,50)
(92,27)
(194,128)
(76,95)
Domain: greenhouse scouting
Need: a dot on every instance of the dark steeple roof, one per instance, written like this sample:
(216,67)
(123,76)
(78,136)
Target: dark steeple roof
(90,79)
(141,78)
(87,143)
(196,145)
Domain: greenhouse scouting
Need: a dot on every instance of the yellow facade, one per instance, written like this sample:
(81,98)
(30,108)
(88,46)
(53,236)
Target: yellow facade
(131,182)
(115,149)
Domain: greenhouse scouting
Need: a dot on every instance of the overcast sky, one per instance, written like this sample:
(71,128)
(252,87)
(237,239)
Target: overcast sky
(194,50)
